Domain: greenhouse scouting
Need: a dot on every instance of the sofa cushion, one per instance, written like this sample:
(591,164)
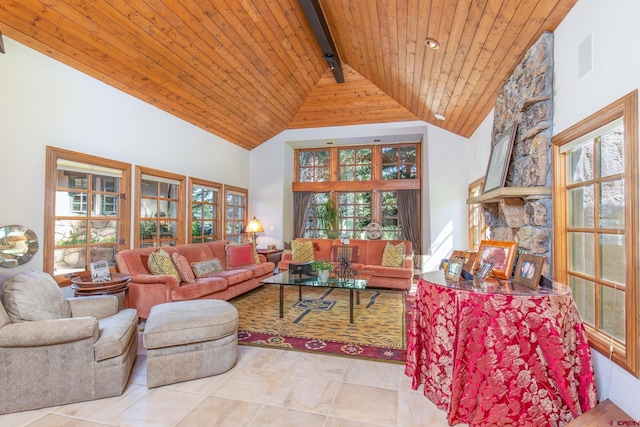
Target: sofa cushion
(382,271)
(393,255)
(33,296)
(235,276)
(184,269)
(301,251)
(206,268)
(200,289)
(116,333)
(260,269)
(239,255)
(160,263)
(352,253)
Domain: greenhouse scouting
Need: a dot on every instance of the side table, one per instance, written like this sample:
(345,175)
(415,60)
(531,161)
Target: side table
(273,255)
(118,285)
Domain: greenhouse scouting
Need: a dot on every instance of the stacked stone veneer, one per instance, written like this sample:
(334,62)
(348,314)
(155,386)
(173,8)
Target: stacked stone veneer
(527,100)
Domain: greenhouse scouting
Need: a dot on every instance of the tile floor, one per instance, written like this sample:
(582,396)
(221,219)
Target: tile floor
(266,388)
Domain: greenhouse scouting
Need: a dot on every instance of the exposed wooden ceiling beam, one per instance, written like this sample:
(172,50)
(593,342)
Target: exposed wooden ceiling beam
(318,24)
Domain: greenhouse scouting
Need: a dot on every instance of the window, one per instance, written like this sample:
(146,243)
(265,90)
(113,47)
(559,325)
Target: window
(399,162)
(478,229)
(354,213)
(87,198)
(390,223)
(354,164)
(595,221)
(314,228)
(313,165)
(205,210)
(161,206)
(236,213)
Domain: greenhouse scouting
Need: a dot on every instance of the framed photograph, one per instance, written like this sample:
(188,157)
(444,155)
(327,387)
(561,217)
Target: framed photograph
(454,269)
(501,254)
(529,270)
(484,270)
(499,160)
(468,258)
(100,271)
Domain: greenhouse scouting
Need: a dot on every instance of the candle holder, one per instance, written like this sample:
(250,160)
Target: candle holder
(344,270)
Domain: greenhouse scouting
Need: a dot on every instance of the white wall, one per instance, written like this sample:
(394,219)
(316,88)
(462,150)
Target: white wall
(43,102)
(615,30)
(480,149)
(445,180)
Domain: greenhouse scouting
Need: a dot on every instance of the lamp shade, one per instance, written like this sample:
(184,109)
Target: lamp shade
(254,226)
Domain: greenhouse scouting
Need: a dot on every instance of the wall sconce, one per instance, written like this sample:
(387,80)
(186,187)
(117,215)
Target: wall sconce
(254,227)
(329,58)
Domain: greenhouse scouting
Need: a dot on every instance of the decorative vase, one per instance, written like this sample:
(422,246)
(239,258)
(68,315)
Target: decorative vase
(323,275)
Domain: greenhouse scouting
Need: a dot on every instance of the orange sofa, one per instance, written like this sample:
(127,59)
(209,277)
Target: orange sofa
(147,289)
(367,257)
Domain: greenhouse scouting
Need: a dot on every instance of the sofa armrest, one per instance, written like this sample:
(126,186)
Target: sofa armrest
(407,262)
(155,279)
(99,306)
(48,332)
(286,256)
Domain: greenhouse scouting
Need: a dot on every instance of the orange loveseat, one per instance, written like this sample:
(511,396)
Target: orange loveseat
(147,289)
(368,256)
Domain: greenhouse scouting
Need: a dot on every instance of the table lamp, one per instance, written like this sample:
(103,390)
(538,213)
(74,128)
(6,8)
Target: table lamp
(254,227)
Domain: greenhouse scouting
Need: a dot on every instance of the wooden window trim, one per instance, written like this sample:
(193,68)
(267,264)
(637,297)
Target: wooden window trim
(240,190)
(483,225)
(141,170)
(52,156)
(625,355)
(209,184)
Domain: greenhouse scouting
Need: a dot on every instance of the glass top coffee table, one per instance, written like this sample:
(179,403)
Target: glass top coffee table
(357,283)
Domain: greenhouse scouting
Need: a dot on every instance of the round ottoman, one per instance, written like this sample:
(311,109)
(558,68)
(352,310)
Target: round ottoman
(186,340)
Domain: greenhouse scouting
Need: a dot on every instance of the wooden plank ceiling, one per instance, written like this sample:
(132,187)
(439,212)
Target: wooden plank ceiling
(248,70)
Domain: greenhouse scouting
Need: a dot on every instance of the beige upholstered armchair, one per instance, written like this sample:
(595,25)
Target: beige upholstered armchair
(56,351)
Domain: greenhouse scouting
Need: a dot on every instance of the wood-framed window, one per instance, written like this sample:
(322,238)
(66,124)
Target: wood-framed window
(595,196)
(354,164)
(400,161)
(160,201)
(86,211)
(314,228)
(205,208)
(354,212)
(313,165)
(391,228)
(478,229)
(235,213)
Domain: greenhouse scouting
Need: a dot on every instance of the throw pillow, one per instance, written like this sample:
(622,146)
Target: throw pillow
(206,268)
(393,255)
(183,267)
(239,255)
(32,296)
(160,263)
(301,251)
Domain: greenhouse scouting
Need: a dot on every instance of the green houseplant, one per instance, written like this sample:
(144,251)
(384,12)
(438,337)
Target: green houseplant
(322,268)
(328,216)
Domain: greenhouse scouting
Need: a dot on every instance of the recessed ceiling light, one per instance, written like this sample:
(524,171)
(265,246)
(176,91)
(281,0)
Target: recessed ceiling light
(438,116)
(432,44)
(329,143)
(376,140)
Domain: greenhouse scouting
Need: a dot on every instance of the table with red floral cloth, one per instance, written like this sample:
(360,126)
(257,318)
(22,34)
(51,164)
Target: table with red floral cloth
(500,354)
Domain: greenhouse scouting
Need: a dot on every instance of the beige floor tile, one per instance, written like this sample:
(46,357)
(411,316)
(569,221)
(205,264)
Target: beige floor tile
(301,363)
(249,385)
(342,422)
(366,404)
(416,410)
(56,420)
(20,419)
(160,407)
(305,394)
(374,374)
(220,412)
(102,410)
(271,416)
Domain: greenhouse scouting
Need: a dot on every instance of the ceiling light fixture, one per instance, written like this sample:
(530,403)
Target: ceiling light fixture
(432,44)
(330,59)
(438,116)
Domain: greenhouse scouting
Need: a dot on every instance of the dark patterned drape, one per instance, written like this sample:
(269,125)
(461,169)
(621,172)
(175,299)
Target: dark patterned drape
(409,217)
(301,205)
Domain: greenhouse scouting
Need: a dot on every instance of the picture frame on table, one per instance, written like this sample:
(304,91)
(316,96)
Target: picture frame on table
(529,270)
(100,271)
(499,160)
(454,269)
(484,270)
(501,253)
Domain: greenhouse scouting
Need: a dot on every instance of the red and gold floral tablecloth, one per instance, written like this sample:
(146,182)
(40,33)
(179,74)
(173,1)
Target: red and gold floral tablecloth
(500,358)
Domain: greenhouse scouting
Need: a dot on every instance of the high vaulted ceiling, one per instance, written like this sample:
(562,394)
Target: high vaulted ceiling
(248,70)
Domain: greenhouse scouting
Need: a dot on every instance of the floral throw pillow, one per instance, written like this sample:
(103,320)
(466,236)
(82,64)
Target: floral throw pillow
(160,263)
(393,255)
(301,251)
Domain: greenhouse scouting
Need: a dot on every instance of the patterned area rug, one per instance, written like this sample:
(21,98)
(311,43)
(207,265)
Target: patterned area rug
(320,322)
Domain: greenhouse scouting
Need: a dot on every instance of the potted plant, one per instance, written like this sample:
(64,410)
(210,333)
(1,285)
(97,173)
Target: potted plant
(327,214)
(322,268)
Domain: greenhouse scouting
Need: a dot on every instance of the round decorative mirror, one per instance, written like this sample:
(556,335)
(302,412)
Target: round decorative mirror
(18,244)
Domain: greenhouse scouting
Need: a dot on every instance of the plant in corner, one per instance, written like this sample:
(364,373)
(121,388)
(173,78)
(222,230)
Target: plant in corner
(327,214)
